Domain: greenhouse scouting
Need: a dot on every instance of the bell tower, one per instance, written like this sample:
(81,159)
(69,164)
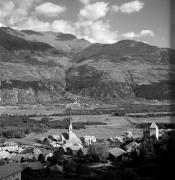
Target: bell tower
(70,127)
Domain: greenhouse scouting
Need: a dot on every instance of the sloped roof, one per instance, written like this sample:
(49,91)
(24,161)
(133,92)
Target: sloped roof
(10,143)
(4,154)
(116,152)
(31,150)
(65,135)
(153,125)
(56,168)
(9,169)
(84,151)
(33,165)
(75,147)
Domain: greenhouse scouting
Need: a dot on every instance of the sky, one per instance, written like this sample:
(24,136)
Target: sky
(99,21)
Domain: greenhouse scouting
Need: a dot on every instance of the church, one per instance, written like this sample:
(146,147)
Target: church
(70,137)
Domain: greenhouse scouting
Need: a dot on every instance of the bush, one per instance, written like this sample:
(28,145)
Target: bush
(45,120)
(27,131)
(82,169)
(41,158)
(69,167)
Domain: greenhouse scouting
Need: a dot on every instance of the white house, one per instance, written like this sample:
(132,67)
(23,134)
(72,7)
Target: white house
(89,140)
(11,171)
(154,130)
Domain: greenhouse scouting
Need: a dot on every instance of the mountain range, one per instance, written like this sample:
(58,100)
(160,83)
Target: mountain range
(44,67)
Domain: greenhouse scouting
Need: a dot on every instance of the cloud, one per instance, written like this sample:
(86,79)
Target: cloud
(130,7)
(32,23)
(26,4)
(98,31)
(91,24)
(62,26)
(49,9)
(130,35)
(6,8)
(141,34)
(147,33)
(94,11)
(14,12)
(85,1)
(1,25)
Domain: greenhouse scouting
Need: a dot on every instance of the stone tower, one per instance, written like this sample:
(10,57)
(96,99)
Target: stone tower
(154,130)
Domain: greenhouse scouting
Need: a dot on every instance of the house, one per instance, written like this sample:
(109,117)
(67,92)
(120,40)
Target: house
(54,137)
(31,150)
(57,168)
(17,158)
(131,146)
(4,154)
(73,149)
(55,144)
(11,171)
(32,165)
(88,140)
(154,130)
(82,152)
(117,154)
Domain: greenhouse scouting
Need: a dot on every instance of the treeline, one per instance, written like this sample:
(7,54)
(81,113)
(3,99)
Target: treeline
(153,110)
(15,126)
(153,114)
(160,125)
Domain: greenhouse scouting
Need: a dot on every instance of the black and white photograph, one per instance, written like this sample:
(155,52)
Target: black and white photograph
(87,89)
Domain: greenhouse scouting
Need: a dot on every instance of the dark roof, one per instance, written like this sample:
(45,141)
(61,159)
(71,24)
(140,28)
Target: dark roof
(33,165)
(65,135)
(84,151)
(9,169)
(116,152)
(153,125)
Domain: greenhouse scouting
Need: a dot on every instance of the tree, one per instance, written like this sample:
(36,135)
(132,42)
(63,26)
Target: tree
(45,120)
(56,158)
(82,169)
(98,152)
(69,166)
(41,158)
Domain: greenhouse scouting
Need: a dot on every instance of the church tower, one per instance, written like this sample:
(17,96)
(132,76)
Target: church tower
(70,127)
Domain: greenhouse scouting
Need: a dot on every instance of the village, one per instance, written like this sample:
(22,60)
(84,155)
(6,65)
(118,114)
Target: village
(66,154)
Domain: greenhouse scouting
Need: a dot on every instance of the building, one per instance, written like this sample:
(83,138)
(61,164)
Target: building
(154,130)
(11,171)
(32,165)
(70,137)
(82,152)
(117,154)
(88,140)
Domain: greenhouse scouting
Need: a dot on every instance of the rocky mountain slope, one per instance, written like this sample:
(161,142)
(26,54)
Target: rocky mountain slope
(42,67)
(124,69)
(31,71)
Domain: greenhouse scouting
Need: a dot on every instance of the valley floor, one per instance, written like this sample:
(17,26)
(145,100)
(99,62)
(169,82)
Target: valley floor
(115,126)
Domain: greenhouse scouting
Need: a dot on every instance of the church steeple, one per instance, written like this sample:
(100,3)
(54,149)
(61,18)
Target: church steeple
(70,127)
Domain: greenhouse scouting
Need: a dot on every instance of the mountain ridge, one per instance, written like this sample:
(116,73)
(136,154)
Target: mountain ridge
(36,71)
